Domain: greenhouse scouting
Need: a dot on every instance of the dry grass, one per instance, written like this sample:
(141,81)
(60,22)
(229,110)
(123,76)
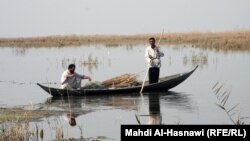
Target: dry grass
(15,131)
(66,40)
(237,40)
(16,125)
(18,114)
(124,80)
(233,40)
(195,59)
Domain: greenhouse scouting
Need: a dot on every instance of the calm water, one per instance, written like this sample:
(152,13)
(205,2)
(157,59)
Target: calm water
(192,102)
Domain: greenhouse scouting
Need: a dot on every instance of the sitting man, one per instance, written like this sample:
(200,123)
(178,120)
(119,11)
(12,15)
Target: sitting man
(72,80)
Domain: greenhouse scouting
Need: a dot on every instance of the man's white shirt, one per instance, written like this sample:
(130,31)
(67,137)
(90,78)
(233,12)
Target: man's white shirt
(72,82)
(157,55)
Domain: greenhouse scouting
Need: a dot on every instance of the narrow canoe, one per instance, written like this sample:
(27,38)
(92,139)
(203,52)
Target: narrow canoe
(165,84)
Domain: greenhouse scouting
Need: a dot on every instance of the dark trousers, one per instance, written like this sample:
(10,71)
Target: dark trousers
(153,75)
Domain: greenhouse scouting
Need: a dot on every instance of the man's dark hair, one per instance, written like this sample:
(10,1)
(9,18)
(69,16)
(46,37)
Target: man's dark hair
(71,66)
(152,38)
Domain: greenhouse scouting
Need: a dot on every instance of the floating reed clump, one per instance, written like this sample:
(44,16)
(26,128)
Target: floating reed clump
(124,80)
(196,59)
(90,60)
(200,58)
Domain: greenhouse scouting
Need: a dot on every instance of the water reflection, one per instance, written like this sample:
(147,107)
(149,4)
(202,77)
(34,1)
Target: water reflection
(177,100)
(71,118)
(166,100)
(93,103)
(91,63)
(20,51)
(161,103)
(66,61)
(154,109)
(200,59)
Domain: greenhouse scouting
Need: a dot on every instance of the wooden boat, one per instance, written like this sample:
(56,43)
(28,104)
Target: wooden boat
(165,84)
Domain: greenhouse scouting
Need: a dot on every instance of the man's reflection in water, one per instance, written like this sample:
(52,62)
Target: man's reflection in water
(71,119)
(154,109)
(73,103)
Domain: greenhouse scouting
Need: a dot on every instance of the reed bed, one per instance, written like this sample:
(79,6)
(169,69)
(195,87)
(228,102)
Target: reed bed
(90,60)
(18,114)
(16,131)
(200,59)
(17,125)
(230,40)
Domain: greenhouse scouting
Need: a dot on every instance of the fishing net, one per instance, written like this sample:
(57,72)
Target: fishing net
(93,85)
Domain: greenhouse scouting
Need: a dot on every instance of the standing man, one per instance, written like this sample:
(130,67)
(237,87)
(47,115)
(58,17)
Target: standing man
(153,54)
(72,80)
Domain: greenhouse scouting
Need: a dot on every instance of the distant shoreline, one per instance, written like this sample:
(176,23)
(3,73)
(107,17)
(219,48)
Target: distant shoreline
(231,40)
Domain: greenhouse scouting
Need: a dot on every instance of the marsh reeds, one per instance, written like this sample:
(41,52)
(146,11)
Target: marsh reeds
(230,40)
(14,131)
(16,124)
(200,59)
(24,127)
(90,60)
(18,114)
(18,130)
(223,95)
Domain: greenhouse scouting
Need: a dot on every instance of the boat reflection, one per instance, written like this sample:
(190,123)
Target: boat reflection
(156,102)
(94,102)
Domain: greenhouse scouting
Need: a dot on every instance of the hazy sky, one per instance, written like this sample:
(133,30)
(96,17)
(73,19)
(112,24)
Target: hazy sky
(22,18)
